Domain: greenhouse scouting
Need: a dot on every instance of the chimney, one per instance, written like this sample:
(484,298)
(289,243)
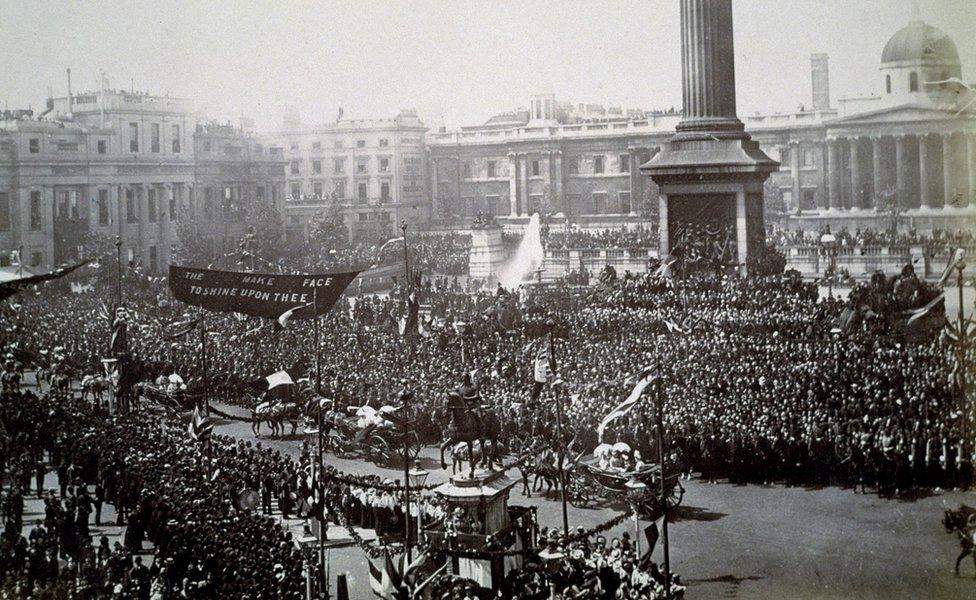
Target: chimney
(71,104)
(820,78)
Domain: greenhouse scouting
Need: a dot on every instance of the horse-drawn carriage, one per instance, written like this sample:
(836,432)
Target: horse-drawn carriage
(169,395)
(366,432)
(588,483)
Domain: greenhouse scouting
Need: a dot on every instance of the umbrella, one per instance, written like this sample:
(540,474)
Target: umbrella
(621,446)
(174,378)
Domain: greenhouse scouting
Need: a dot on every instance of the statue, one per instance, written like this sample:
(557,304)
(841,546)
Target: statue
(470,421)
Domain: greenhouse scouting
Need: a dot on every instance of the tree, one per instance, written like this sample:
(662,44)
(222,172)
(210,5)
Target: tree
(773,204)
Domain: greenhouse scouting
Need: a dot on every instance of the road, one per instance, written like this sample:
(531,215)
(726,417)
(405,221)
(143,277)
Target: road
(738,541)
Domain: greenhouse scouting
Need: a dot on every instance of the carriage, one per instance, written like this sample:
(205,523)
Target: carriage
(167,396)
(589,484)
(378,441)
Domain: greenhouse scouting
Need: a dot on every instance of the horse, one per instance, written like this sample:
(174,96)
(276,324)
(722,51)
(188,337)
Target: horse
(95,385)
(60,384)
(476,449)
(275,414)
(962,522)
(468,424)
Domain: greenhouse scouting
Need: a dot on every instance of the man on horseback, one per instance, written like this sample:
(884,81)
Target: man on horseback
(470,421)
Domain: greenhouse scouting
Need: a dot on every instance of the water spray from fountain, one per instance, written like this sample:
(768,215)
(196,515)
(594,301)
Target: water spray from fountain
(527,259)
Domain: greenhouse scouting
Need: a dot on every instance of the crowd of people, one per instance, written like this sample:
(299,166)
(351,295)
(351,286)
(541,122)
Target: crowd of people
(937,242)
(758,386)
(637,237)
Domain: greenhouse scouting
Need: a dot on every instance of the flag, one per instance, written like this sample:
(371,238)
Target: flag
(200,427)
(672,326)
(181,329)
(541,365)
(647,376)
(409,323)
(385,581)
(287,315)
(918,313)
(119,345)
(278,378)
(652,534)
(9,288)
(957,258)
(665,269)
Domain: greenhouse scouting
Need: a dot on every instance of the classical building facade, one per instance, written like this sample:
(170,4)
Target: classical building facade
(371,171)
(906,153)
(117,164)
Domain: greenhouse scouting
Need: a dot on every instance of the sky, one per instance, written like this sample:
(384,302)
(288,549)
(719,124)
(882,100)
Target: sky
(457,62)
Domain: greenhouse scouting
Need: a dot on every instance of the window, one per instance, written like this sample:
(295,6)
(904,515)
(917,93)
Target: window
(133,137)
(152,259)
(37,259)
(384,165)
(103,207)
(339,187)
(362,166)
(102,146)
(787,198)
(624,163)
(208,207)
(572,165)
(317,189)
(599,203)
(151,203)
(130,207)
(384,142)
(624,202)
(317,167)
(339,166)
(260,192)
(36,219)
(130,255)
(913,81)
(807,157)
(360,143)
(363,194)
(207,146)
(784,157)
(535,168)
(295,167)
(598,165)
(466,170)
(337,145)
(316,146)
(363,217)
(385,191)
(887,84)
(34,145)
(154,137)
(491,205)
(491,169)
(4,211)
(809,199)
(296,190)
(293,147)
(175,129)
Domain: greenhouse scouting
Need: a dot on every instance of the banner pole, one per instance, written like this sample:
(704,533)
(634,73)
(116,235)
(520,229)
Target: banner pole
(203,361)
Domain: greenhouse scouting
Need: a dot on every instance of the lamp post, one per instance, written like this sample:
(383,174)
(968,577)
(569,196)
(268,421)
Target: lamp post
(417,478)
(961,348)
(559,428)
(405,398)
(829,244)
(118,262)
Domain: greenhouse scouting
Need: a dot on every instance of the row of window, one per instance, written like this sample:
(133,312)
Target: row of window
(806,155)
(101,146)
(597,203)
(339,190)
(338,145)
(535,166)
(66,206)
(339,166)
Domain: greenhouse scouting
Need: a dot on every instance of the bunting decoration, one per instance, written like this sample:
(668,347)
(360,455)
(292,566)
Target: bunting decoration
(646,377)
(200,428)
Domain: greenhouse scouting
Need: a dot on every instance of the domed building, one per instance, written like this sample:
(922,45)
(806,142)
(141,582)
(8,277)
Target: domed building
(918,53)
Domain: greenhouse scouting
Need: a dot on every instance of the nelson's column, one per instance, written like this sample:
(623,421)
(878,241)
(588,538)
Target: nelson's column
(710,172)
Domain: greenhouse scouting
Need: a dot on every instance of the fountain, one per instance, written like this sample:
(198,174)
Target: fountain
(527,260)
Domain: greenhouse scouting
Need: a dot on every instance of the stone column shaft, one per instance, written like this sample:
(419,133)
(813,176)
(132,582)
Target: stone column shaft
(970,169)
(948,173)
(900,166)
(924,196)
(876,166)
(513,184)
(833,172)
(856,190)
(796,154)
(524,184)
(707,68)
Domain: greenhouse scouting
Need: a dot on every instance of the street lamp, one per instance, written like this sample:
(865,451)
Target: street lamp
(635,491)
(417,476)
(829,244)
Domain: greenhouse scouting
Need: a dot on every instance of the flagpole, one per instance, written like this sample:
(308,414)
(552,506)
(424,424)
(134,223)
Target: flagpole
(559,433)
(961,344)
(663,490)
(406,474)
(323,578)
(203,361)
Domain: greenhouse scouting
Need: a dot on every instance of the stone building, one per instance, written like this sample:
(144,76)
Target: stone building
(906,151)
(112,163)
(371,171)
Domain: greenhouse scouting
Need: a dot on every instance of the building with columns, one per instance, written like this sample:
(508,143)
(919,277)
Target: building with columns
(115,164)
(905,153)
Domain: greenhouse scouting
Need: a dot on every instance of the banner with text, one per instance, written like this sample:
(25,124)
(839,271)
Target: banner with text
(258,294)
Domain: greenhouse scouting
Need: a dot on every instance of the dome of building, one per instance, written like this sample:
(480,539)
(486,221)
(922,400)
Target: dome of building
(918,42)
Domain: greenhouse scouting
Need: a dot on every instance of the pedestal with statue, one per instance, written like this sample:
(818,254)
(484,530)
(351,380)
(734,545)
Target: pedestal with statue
(487,253)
